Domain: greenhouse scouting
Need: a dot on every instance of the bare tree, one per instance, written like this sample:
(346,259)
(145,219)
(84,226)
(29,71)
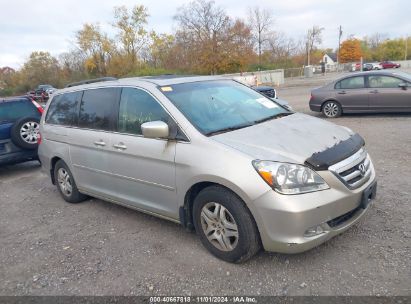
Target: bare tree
(131,26)
(261,21)
(313,38)
(375,40)
(203,26)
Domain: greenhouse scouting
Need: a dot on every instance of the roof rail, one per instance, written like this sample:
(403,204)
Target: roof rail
(90,81)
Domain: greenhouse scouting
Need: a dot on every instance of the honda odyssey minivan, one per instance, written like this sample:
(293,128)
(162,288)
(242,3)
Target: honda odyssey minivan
(211,154)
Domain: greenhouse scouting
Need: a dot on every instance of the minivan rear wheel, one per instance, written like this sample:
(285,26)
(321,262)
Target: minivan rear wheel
(332,109)
(66,185)
(225,226)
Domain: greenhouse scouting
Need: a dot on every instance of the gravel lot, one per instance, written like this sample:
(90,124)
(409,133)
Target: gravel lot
(49,247)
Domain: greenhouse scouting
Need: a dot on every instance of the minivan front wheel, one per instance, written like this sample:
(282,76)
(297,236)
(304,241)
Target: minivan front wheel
(225,226)
(332,109)
(66,185)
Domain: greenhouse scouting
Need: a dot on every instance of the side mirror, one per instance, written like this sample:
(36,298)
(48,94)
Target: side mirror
(403,85)
(155,129)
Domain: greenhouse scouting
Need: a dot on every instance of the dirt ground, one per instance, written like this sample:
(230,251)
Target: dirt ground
(49,247)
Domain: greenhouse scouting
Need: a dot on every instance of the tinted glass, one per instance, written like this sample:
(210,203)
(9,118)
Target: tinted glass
(14,110)
(351,83)
(136,108)
(379,81)
(223,105)
(63,109)
(97,107)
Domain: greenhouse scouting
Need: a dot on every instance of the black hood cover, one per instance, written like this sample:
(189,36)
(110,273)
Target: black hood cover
(322,160)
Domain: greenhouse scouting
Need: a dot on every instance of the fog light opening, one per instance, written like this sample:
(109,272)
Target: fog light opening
(314,231)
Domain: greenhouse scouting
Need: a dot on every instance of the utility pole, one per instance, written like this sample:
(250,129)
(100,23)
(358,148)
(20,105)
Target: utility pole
(339,44)
(406,48)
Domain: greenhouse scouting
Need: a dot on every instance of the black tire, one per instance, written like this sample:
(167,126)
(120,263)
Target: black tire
(73,196)
(248,240)
(24,133)
(332,109)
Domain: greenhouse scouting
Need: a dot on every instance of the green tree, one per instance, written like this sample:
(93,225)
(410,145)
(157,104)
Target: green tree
(40,68)
(393,49)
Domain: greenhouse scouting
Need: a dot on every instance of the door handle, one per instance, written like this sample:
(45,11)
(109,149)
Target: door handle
(342,92)
(100,143)
(120,146)
(374,91)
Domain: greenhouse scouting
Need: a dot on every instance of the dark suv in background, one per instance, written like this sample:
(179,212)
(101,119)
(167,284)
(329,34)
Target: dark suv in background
(19,126)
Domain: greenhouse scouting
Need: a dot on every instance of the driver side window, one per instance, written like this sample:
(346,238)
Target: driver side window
(384,82)
(137,107)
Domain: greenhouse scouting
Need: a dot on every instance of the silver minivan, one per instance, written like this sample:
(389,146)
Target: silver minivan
(211,154)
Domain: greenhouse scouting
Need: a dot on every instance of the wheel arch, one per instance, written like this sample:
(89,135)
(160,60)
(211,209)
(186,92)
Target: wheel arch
(53,163)
(186,211)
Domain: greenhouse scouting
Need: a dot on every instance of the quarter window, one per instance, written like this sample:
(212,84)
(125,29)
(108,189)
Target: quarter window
(136,108)
(63,109)
(351,83)
(97,108)
(379,81)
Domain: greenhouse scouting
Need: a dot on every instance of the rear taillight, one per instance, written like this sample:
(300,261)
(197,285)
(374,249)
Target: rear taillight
(39,107)
(39,138)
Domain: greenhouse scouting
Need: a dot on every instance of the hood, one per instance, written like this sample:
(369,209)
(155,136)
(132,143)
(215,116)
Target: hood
(292,138)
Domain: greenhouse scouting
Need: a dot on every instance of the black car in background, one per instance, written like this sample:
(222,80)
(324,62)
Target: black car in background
(19,127)
(266,90)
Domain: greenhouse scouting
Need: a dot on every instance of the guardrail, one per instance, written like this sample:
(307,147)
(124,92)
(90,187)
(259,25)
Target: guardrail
(275,77)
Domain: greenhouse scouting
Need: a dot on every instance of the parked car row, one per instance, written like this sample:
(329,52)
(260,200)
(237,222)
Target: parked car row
(369,66)
(42,92)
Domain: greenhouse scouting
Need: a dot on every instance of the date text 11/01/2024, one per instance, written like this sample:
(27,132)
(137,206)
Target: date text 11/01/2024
(203,299)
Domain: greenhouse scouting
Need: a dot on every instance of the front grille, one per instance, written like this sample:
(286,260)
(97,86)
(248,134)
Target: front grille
(343,218)
(355,170)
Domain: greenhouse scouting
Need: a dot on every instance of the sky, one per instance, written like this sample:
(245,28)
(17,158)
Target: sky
(50,25)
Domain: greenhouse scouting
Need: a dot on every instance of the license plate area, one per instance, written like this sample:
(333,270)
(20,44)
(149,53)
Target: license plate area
(368,195)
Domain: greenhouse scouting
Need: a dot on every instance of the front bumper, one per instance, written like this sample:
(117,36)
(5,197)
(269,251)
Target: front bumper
(283,220)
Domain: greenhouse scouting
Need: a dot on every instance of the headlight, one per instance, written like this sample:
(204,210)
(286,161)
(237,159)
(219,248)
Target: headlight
(289,178)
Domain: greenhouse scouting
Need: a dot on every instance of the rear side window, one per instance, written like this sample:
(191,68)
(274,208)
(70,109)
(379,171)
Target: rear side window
(97,108)
(351,83)
(13,110)
(136,108)
(63,109)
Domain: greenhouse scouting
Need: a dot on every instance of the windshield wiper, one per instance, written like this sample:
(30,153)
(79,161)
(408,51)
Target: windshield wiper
(278,115)
(229,129)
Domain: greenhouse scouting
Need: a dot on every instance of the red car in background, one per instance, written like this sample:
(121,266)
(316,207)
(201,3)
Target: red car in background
(389,65)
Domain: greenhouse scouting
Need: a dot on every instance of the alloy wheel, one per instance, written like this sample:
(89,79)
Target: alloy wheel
(64,181)
(29,132)
(331,109)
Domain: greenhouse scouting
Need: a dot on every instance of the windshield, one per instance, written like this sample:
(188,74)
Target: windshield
(221,105)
